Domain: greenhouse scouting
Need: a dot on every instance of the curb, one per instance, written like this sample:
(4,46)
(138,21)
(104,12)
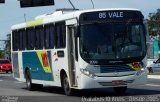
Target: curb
(154,76)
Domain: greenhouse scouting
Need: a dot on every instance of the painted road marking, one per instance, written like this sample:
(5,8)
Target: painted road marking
(154,76)
(19,82)
(154,85)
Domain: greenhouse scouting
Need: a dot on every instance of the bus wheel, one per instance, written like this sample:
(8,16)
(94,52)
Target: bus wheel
(66,87)
(120,90)
(29,84)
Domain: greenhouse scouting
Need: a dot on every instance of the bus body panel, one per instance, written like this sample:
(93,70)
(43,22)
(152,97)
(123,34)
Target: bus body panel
(59,63)
(102,82)
(39,64)
(18,66)
(46,65)
(130,75)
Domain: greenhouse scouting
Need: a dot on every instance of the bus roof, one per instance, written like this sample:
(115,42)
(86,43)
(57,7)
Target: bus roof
(60,16)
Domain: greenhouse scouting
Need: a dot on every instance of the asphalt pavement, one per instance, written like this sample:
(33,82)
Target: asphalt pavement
(12,90)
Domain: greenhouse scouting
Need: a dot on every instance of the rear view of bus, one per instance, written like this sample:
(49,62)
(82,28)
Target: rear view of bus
(112,47)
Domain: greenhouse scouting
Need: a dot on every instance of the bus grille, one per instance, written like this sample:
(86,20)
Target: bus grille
(117,68)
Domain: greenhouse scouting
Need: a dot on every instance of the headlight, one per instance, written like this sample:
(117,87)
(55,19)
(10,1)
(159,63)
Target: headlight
(140,71)
(87,73)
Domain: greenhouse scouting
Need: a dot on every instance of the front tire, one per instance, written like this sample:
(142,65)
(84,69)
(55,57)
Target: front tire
(66,86)
(120,90)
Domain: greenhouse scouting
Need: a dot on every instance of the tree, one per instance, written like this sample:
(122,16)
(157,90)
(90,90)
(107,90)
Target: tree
(7,48)
(1,54)
(154,23)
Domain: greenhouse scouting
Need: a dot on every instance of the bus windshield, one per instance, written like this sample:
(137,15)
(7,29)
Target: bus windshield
(112,40)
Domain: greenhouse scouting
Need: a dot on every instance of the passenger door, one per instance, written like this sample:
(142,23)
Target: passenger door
(72,43)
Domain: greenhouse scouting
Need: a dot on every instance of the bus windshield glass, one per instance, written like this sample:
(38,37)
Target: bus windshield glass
(114,40)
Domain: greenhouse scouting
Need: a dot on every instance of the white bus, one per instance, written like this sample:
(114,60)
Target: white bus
(85,49)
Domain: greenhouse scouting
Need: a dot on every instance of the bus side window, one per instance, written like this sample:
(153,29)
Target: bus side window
(32,36)
(14,42)
(47,33)
(30,39)
(24,39)
(20,32)
(60,35)
(17,41)
(39,37)
(49,38)
(52,36)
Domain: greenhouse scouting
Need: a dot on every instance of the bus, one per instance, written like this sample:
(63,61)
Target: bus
(81,49)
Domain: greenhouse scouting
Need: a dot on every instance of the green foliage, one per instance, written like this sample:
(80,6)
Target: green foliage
(154,23)
(1,54)
(8,43)
(7,48)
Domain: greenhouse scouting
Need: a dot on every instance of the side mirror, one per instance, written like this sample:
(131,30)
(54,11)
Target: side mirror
(76,31)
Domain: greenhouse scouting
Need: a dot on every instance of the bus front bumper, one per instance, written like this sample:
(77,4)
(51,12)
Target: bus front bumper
(87,82)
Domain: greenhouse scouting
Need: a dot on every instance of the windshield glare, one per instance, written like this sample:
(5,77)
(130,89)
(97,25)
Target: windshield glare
(112,40)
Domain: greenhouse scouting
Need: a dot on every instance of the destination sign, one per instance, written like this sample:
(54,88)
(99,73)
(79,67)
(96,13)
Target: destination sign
(111,15)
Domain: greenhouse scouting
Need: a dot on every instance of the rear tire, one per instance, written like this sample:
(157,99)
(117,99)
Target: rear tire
(120,90)
(68,91)
(29,84)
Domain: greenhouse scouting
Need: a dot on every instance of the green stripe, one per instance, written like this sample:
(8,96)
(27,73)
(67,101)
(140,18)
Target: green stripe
(34,23)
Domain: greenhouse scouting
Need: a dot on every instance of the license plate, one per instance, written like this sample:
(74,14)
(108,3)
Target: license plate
(118,82)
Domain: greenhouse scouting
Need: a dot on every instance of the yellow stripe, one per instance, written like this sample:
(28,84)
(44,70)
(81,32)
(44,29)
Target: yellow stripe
(135,68)
(34,23)
(43,58)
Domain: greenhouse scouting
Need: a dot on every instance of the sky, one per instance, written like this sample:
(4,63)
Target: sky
(11,13)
